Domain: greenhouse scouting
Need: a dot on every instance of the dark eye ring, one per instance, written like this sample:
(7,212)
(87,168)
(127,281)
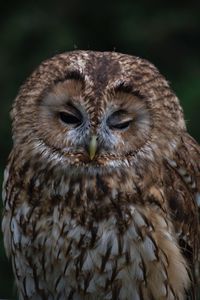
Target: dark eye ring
(120,126)
(119,120)
(70,119)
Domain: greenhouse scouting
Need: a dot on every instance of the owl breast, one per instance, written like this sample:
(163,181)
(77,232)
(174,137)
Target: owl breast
(96,243)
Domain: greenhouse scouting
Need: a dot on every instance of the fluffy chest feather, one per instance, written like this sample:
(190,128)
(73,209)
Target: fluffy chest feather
(83,253)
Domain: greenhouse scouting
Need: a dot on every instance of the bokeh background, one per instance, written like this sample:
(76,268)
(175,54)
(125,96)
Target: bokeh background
(165,32)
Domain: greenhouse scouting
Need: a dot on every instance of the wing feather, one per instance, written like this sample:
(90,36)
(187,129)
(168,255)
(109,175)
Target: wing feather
(183,194)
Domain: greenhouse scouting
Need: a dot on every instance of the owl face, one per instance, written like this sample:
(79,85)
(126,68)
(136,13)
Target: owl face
(91,110)
(111,128)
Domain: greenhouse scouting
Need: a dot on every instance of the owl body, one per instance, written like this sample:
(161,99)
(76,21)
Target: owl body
(101,188)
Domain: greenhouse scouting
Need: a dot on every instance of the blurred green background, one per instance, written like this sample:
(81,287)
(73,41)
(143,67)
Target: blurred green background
(166,33)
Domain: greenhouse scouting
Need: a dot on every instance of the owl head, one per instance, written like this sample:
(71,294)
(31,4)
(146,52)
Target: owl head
(96,111)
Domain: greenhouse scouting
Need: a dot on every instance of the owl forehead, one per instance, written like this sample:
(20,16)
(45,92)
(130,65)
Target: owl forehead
(99,70)
(102,75)
(104,71)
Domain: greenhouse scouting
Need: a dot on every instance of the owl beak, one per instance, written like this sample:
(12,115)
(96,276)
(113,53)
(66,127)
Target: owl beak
(92,146)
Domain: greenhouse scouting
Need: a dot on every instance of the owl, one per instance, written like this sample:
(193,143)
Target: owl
(102,188)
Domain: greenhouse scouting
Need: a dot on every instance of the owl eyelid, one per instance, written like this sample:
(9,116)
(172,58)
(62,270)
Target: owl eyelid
(119,120)
(71,109)
(70,118)
(121,125)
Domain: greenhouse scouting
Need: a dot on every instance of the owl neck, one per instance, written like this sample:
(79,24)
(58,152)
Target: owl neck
(77,192)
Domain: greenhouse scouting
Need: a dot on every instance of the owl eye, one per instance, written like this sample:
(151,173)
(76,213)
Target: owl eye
(71,115)
(71,119)
(119,120)
(123,125)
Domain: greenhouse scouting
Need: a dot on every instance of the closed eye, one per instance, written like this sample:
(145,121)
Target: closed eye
(71,116)
(122,125)
(119,120)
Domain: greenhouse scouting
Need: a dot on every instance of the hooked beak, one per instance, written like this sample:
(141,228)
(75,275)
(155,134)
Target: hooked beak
(92,147)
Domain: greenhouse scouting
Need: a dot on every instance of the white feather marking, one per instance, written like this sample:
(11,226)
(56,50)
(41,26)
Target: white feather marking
(54,157)
(197,198)
(89,262)
(61,284)
(132,233)
(97,281)
(80,63)
(172,163)
(29,285)
(23,211)
(148,250)
(16,231)
(138,219)
(182,171)
(6,175)
(130,292)
(193,185)
(114,193)
(115,246)
(76,233)
(188,179)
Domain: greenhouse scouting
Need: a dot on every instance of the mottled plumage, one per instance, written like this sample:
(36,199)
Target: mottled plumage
(102,187)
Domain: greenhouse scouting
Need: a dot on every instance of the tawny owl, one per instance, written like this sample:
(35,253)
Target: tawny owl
(101,191)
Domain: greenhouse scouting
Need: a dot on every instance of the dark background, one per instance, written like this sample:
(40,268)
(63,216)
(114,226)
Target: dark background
(166,33)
